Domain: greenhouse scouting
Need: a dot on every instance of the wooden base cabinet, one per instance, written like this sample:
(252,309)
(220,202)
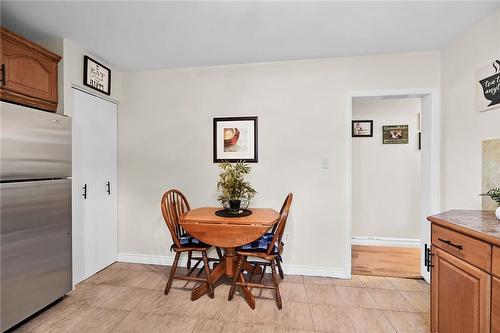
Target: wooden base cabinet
(495,305)
(28,72)
(460,295)
(465,276)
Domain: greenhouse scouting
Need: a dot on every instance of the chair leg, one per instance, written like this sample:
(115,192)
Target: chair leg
(280,270)
(235,278)
(172,273)
(189,260)
(209,274)
(219,253)
(275,282)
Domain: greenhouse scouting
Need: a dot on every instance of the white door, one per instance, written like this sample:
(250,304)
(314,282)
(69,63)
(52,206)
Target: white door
(94,184)
(430,187)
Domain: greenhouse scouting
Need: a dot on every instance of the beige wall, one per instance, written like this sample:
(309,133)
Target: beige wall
(464,128)
(386,178)
(70,72)
(165,134)
(73,75)
(165,141)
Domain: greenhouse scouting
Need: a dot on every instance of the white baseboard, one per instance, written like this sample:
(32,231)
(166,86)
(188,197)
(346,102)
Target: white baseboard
(337,272)
(149,259)
(382,241)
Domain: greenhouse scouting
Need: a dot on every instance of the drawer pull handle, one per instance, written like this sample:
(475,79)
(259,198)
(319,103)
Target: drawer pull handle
(460,247)
(4,75)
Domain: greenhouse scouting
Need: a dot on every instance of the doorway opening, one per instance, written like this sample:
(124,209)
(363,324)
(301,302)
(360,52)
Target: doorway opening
(392,186)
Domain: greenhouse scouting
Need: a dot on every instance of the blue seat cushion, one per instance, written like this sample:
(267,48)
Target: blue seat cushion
(260,245)
(188,240)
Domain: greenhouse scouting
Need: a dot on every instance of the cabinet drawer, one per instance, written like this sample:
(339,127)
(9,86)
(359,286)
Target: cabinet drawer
(471,250)
(495,261)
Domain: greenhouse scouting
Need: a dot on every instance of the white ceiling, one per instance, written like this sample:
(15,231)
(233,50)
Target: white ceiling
(150,35)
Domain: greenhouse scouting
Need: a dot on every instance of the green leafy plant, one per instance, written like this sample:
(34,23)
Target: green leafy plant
(232,184)
(494,194)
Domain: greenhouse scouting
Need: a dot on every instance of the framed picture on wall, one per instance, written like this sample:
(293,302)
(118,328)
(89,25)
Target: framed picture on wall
(362,128)
(488,86)
(235,139)
(395,134)
(96,75)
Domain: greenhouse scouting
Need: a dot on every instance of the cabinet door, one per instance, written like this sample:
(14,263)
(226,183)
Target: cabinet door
(460,296)
(495,305)
(29,72)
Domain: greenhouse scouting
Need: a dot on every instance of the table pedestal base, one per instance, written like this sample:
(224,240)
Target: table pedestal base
(227,267)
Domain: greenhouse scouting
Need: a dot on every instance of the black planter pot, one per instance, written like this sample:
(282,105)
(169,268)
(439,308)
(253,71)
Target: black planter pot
(234,206)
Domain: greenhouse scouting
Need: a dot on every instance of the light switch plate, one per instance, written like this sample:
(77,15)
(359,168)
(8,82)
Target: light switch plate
(325,163)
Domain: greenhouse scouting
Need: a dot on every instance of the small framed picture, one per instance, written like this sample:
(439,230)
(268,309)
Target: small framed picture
(235,139)
(395,134)
(362,128)
(96,75)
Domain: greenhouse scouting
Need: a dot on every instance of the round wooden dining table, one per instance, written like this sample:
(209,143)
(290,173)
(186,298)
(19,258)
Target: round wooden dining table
(227,233)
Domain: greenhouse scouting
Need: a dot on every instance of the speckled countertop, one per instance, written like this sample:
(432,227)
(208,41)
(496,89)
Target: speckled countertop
(481,224)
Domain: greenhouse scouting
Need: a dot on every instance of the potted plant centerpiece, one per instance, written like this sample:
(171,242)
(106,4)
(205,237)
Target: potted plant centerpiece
(235,192)
(494,194)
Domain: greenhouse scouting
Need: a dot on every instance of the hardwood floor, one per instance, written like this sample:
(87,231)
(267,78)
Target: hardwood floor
(129,298)
(403,262)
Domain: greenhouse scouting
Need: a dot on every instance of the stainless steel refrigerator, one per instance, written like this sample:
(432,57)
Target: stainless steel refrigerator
(35,212)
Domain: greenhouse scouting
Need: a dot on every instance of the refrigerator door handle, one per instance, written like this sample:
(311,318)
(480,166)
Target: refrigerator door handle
(84,191)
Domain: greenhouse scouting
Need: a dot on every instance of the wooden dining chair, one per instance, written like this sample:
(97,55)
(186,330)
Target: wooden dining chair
(173,205)
(269,248)
(279,259)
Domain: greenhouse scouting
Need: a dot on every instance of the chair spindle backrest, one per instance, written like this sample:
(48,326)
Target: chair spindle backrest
(173,205)
(279,227)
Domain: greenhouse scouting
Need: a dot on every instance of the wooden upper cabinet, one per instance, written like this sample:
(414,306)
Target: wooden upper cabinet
(29,72)
(460,296)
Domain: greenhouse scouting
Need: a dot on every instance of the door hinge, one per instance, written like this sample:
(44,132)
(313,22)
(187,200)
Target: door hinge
(428,258)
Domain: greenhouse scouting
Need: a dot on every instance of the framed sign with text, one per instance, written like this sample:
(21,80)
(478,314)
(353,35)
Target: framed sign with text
(96,75)
(488,86)
(395,134)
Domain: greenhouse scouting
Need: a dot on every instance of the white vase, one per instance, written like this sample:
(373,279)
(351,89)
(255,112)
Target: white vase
(497,213)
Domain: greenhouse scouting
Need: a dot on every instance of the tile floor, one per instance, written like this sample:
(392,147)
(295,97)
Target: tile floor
(129,298)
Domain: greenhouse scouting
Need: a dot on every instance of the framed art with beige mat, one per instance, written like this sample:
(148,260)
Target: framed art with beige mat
(235,139)
(491,170)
